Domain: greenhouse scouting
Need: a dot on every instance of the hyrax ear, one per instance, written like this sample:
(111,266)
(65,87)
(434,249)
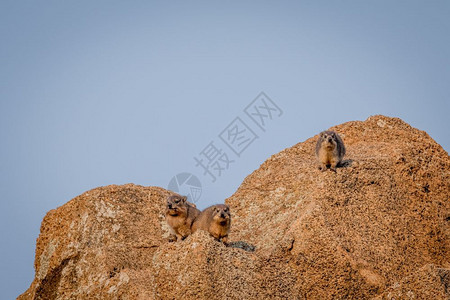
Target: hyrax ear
(183,199)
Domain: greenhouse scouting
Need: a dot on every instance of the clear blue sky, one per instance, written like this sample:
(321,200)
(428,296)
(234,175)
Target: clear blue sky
(94,93)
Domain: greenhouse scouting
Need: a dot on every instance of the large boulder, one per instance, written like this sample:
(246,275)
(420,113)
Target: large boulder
(378,227)
(100,244)
(352,233)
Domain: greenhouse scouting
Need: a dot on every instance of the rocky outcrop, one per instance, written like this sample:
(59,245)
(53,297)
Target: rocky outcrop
(378,228)
(352,234)
(99,244)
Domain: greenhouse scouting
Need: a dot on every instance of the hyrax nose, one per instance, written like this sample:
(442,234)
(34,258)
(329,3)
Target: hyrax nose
(169,205)
(330,140)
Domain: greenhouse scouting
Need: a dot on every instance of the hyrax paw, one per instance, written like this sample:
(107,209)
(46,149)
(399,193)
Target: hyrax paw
(225,241)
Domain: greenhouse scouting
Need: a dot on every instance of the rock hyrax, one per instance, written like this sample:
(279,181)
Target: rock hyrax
(216,220)
(179,215)
(330,150)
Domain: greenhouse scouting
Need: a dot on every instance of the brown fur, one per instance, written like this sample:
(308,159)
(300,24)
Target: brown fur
(179,216)
(330,150)
(216,220)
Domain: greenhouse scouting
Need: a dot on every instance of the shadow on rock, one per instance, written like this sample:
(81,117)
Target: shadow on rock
(242,245)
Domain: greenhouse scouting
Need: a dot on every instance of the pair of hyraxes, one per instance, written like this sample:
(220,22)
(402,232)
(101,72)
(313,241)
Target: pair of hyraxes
(184,218)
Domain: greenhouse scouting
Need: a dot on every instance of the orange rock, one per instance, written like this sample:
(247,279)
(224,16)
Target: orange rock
(379,227)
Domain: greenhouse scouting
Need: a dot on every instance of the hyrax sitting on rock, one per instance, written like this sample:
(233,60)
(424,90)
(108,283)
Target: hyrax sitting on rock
(216,220)
(179,215)
(330,150)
